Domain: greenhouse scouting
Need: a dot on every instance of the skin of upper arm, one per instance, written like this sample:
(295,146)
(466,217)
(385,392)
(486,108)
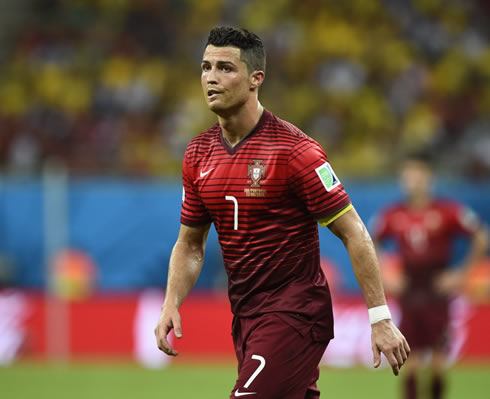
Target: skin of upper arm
(194,237)
(349,226)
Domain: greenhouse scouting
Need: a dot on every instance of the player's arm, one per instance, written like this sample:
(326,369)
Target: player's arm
(452,281)
(380,232)
(478,247)
(184,268)
(385,335)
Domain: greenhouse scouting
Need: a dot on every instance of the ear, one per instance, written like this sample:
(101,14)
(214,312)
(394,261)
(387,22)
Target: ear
(256,79)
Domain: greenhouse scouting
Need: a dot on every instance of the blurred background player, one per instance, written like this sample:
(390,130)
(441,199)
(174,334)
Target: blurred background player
(424,229)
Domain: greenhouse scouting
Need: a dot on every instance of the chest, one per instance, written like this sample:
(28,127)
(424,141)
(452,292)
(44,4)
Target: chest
(248,191)
(421,230)
(247,176)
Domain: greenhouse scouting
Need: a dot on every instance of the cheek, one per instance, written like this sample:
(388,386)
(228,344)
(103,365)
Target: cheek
(407,181)
(242,87)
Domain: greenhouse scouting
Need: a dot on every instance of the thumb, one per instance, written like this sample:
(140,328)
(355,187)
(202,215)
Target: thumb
(377,356)
(177,327)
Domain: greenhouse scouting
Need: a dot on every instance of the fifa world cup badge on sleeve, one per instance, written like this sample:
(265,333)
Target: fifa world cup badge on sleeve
(327,176)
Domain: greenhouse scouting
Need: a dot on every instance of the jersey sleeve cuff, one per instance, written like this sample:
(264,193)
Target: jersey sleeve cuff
(329,219)
(193,223)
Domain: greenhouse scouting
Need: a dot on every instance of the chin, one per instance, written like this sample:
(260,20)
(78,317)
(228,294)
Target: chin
(217,108)
(225,109)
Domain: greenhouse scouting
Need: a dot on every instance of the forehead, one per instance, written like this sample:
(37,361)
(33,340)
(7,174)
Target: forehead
(228,53)
(414,165)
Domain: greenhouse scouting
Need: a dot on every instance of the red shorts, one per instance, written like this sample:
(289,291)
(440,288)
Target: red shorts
(426,327)
(277,357)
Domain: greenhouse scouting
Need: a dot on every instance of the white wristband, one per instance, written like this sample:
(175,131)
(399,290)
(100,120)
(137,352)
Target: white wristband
(379,313)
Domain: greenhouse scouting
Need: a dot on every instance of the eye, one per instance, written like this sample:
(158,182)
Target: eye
(226,68)
(205,67)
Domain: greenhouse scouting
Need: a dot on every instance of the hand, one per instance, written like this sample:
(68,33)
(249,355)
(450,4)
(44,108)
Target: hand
(450,282)
(396,287)
(386,338)
(168,319)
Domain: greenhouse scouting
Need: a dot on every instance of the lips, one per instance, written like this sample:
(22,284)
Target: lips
(213,92)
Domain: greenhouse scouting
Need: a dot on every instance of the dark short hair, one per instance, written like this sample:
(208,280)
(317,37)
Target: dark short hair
(252,50)
(422,156)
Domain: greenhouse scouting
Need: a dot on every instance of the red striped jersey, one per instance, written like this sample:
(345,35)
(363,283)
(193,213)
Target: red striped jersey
(264,196)
(425,238)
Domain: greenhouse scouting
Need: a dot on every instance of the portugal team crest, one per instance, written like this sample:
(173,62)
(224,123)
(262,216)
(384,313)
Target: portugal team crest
(256,172)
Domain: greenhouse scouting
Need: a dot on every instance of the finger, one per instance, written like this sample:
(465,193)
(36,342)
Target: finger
(403,352)
(162,342)
(376,357)
(165,347)
(393,362)
(398,357)
(177,326)
(406,346)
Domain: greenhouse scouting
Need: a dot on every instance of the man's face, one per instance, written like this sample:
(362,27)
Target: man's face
(224,78)
(416,178)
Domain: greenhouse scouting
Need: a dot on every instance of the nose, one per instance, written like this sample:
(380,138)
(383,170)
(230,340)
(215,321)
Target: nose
(211,76)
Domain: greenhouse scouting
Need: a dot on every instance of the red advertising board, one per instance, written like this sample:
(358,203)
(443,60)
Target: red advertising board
(122,326)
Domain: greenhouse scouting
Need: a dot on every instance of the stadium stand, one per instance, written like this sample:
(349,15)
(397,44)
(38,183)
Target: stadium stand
(110,87)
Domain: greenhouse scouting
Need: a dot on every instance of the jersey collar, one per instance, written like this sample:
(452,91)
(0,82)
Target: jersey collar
(233,150)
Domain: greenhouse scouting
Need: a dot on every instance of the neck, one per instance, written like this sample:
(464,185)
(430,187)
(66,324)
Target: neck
(419,201)
(237,125)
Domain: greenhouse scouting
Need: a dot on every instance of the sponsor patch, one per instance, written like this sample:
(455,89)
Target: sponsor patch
(327,176)
(255,192)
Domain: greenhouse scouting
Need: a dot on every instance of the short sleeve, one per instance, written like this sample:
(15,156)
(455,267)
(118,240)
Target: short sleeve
(313,180)
(464,220)
(193,212)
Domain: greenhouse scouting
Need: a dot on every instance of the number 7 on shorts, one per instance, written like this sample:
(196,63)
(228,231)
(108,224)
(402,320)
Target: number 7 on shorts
(252,377)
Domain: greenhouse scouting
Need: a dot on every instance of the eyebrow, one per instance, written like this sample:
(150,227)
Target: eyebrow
(219,63)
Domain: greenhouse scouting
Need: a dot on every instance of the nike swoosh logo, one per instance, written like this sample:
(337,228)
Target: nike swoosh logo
(207,172)
(237,394)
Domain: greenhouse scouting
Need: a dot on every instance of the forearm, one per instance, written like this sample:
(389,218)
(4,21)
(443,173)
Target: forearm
(366,267)
(479,246)
(355,237)
(184,268)
(385,336)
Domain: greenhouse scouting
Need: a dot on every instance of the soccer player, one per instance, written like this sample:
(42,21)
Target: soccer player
(265,184)
(424,228)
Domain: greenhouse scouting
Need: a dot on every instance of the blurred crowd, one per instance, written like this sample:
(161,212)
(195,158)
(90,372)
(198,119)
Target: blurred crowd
(111,87)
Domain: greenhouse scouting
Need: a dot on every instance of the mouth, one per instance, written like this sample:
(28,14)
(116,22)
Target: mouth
(212,93)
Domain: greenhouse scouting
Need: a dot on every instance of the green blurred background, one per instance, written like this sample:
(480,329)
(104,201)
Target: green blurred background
(101,381)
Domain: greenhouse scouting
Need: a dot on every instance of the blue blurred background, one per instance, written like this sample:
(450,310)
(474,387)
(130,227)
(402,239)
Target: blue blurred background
(128,230)
(108,92)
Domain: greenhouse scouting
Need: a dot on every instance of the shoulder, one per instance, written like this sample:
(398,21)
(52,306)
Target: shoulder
(393,210)
(283,126)
(202,143)
(204,139)
(447,205)
(285,131)
(302,146)
(456,210)
(461,214)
